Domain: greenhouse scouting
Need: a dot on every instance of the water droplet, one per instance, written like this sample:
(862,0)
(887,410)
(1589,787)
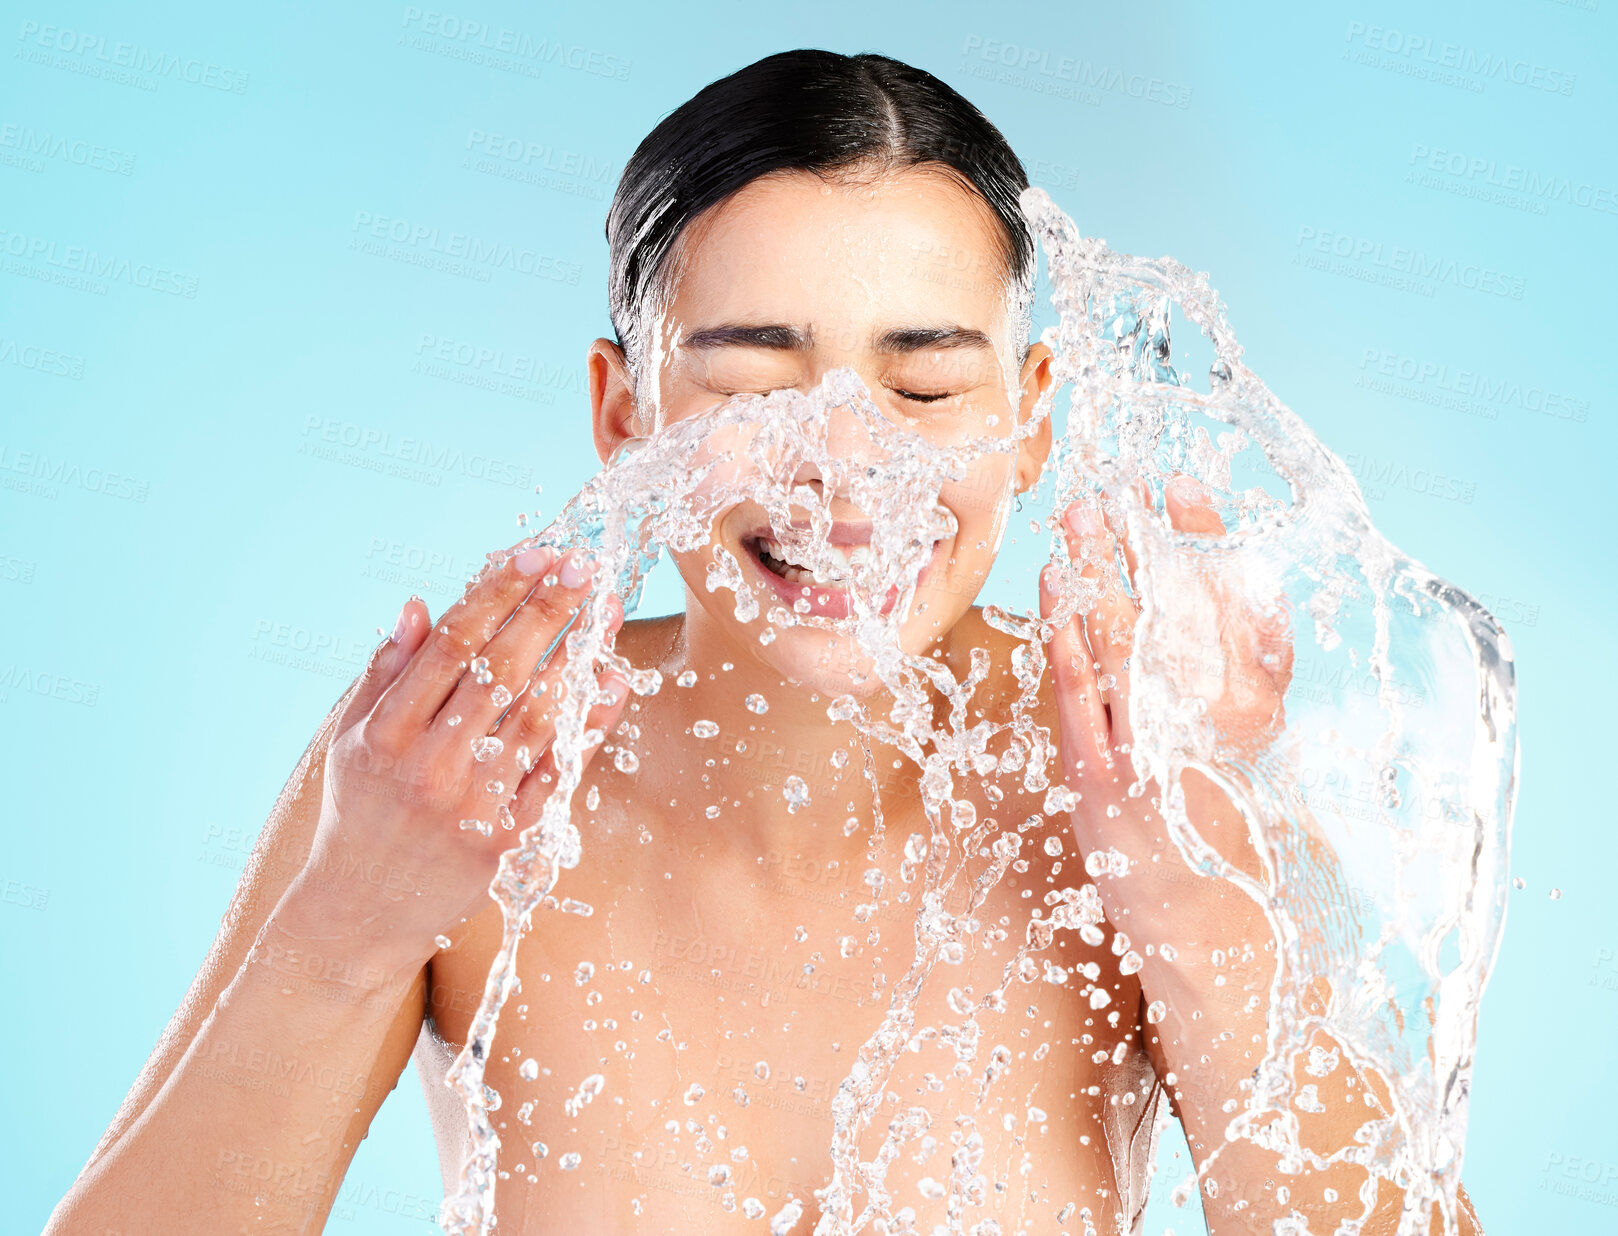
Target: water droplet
(500,696)
(753,1208)
(569,1161)
(1156,1011)
(705,729)
(1556,894)
(756,703)
(442,941)
(1053,846)
(592,798)
(693,1094)
(486,748)
(625,760)
(528,1070)
(687,678)
(786,1218)
(796,793)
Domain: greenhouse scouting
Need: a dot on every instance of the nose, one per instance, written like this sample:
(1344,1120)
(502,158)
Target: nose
(850,447)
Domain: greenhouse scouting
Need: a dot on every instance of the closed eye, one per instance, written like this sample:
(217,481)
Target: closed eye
(923,398)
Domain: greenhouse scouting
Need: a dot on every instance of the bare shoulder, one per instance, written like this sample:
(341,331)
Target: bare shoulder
(648,642)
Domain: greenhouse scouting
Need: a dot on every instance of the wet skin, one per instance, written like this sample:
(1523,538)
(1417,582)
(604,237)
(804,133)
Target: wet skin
(847,269)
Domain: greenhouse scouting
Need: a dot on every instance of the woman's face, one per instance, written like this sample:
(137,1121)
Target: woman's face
(898,277)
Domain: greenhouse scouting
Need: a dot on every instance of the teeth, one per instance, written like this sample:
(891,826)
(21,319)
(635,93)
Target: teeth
(841,566)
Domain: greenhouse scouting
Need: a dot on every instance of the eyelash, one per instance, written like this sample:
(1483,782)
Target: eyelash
(902,394)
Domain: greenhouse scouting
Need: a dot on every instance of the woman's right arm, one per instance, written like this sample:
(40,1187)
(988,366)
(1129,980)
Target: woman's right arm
(301,1021)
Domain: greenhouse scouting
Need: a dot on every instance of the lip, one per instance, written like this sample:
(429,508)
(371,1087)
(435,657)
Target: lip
(843,532)
(828,601)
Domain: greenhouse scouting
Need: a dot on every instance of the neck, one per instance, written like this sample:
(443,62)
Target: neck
(791,738)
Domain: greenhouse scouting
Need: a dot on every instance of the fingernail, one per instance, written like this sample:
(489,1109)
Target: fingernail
(401,626)
(577,568)
(1084,520)
(535,559)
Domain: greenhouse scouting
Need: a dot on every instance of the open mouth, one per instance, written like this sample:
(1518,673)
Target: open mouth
(838,573)
(824,592)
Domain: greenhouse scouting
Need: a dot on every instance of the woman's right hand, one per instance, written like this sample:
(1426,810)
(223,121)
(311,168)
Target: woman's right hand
(398,853)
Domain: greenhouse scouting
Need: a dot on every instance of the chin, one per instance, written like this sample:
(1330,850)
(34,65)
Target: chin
(834,664)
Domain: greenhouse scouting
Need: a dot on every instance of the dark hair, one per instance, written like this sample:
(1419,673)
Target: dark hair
(818,111)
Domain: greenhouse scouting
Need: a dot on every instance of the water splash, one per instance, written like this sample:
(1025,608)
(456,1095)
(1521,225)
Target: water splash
(1396,783)
(1424,851)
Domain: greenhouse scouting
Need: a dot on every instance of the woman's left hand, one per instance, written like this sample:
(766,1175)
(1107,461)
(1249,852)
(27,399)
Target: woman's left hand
(1241,670)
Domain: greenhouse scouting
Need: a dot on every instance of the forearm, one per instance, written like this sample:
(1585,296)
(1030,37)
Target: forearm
(1214,989)
(259,1119)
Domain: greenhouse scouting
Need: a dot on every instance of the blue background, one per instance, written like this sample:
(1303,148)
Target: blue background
(197,568)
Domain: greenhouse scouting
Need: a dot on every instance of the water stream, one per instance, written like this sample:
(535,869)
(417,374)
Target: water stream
(1381,809)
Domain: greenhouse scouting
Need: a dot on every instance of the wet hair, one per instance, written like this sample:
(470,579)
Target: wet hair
(810,110)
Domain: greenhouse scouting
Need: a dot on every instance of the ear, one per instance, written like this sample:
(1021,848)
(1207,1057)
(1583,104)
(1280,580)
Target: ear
(1036,448)
(612,397)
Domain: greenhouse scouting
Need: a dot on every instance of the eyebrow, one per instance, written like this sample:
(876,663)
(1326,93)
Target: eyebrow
(782,338)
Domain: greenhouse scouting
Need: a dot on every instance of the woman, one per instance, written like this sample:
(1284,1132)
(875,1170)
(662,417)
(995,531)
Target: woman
(810,211)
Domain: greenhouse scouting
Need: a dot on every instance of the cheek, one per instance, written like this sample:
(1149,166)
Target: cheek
(980,503)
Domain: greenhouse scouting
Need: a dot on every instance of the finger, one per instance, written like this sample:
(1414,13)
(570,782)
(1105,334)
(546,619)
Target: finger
(392,655)
(527,729)
(536,787)
(1144,492)
(1085,733)
(513,653)
(416,696)
(1190,506)
(1109,627)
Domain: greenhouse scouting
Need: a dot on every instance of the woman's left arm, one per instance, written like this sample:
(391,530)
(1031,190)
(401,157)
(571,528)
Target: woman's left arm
(1209,993)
